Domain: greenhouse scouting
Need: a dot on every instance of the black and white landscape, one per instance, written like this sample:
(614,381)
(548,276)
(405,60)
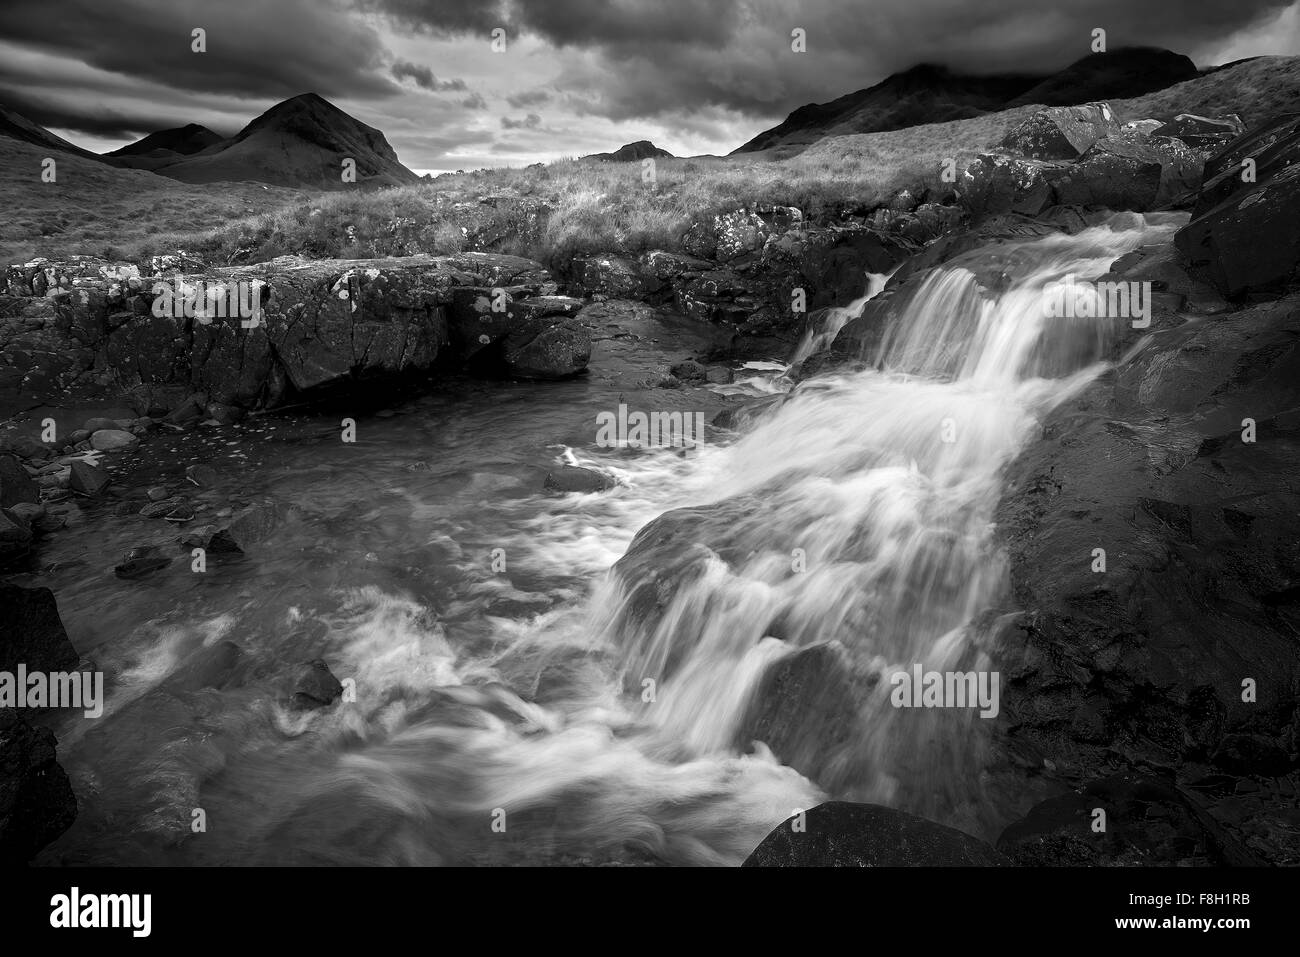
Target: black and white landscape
(650,433)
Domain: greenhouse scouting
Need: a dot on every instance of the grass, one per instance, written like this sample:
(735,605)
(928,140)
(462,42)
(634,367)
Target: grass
(550,213)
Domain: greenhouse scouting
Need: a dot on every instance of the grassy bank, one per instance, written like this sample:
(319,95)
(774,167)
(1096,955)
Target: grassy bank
(550,212)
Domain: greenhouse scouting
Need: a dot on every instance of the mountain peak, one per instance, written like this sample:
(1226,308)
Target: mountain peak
(631,152)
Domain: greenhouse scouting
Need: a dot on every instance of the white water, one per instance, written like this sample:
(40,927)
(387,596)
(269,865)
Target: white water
(901,566)
(543,717)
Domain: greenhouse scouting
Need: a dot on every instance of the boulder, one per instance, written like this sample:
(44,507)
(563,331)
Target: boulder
(31,631)
(36,799)
(615,277)
(109,440)
(840,834)
(16,486)
(805,709)
(1131,171)
(1061,132)
(87,479)
(15,535)
(1250,240)
(572,478)
(316,687)
(1202,132)
(547,348)
(1001,183)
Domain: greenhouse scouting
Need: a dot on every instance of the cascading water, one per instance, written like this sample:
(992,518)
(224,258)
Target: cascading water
(561,712)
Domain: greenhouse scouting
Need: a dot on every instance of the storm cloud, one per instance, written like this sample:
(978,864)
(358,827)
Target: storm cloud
(692,75)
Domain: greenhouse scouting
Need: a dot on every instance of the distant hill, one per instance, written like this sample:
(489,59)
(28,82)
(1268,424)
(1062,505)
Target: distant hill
(632,152)
(20,128)
(185,140)
(301,142)
(1121,74)
(933,94)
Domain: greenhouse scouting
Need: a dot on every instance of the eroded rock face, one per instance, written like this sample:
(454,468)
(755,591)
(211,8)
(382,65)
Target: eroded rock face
(1147,663)
(31,631)
(840,834)
(1001,183)
(318,323)
(1245,235)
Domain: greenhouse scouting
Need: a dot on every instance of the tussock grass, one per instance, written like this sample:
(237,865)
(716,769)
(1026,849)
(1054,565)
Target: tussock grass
(593,207)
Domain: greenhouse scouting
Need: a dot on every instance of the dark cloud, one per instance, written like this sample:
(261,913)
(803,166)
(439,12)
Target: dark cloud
(529,122)
(424,78)
(474,101)
(528,98)
(327,50)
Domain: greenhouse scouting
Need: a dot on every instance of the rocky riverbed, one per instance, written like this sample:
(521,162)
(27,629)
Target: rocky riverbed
(141,443)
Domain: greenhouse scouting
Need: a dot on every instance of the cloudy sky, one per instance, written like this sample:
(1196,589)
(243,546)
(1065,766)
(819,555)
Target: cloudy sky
(576,76)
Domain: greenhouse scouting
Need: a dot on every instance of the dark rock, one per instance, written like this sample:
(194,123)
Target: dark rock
(547,349)
(999,183)
(1251,754)
(839,834)
(204,476)
(1148,821)
(1061,132)
(36,799)
(689,371)
(16,486)
(162,509)
(316,687)
(140,563)
(615,277)
(571,478)
(1202,131)
(31,631)
(1250,240)
(88,480)
(806,709)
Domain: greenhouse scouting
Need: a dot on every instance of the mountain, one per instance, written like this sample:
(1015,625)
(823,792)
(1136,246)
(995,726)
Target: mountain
(1118,75)
(934,94)
(632,152)
(184,140)
(923,94)
(301,142)
(20,128)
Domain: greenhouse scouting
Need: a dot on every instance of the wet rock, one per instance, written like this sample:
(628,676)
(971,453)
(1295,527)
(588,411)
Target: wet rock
(805,709)
(36,799)
(1250,240)
(615,277)
(89,480)
(158,493)
(108,440)
(101,423)
(214,541)
(1202,132)
(16,486)
(140,563)
(1251,754)
(225,414)
(718,375)
(1132,172)
(1149,821)
(204,476)
(15,535)
(572,478)
(162,509)
(254,524)
(1061,132)
(316,687)
(31,631)
(999,183)
(547,349)
(689,371)
(839,834)
(186,414)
